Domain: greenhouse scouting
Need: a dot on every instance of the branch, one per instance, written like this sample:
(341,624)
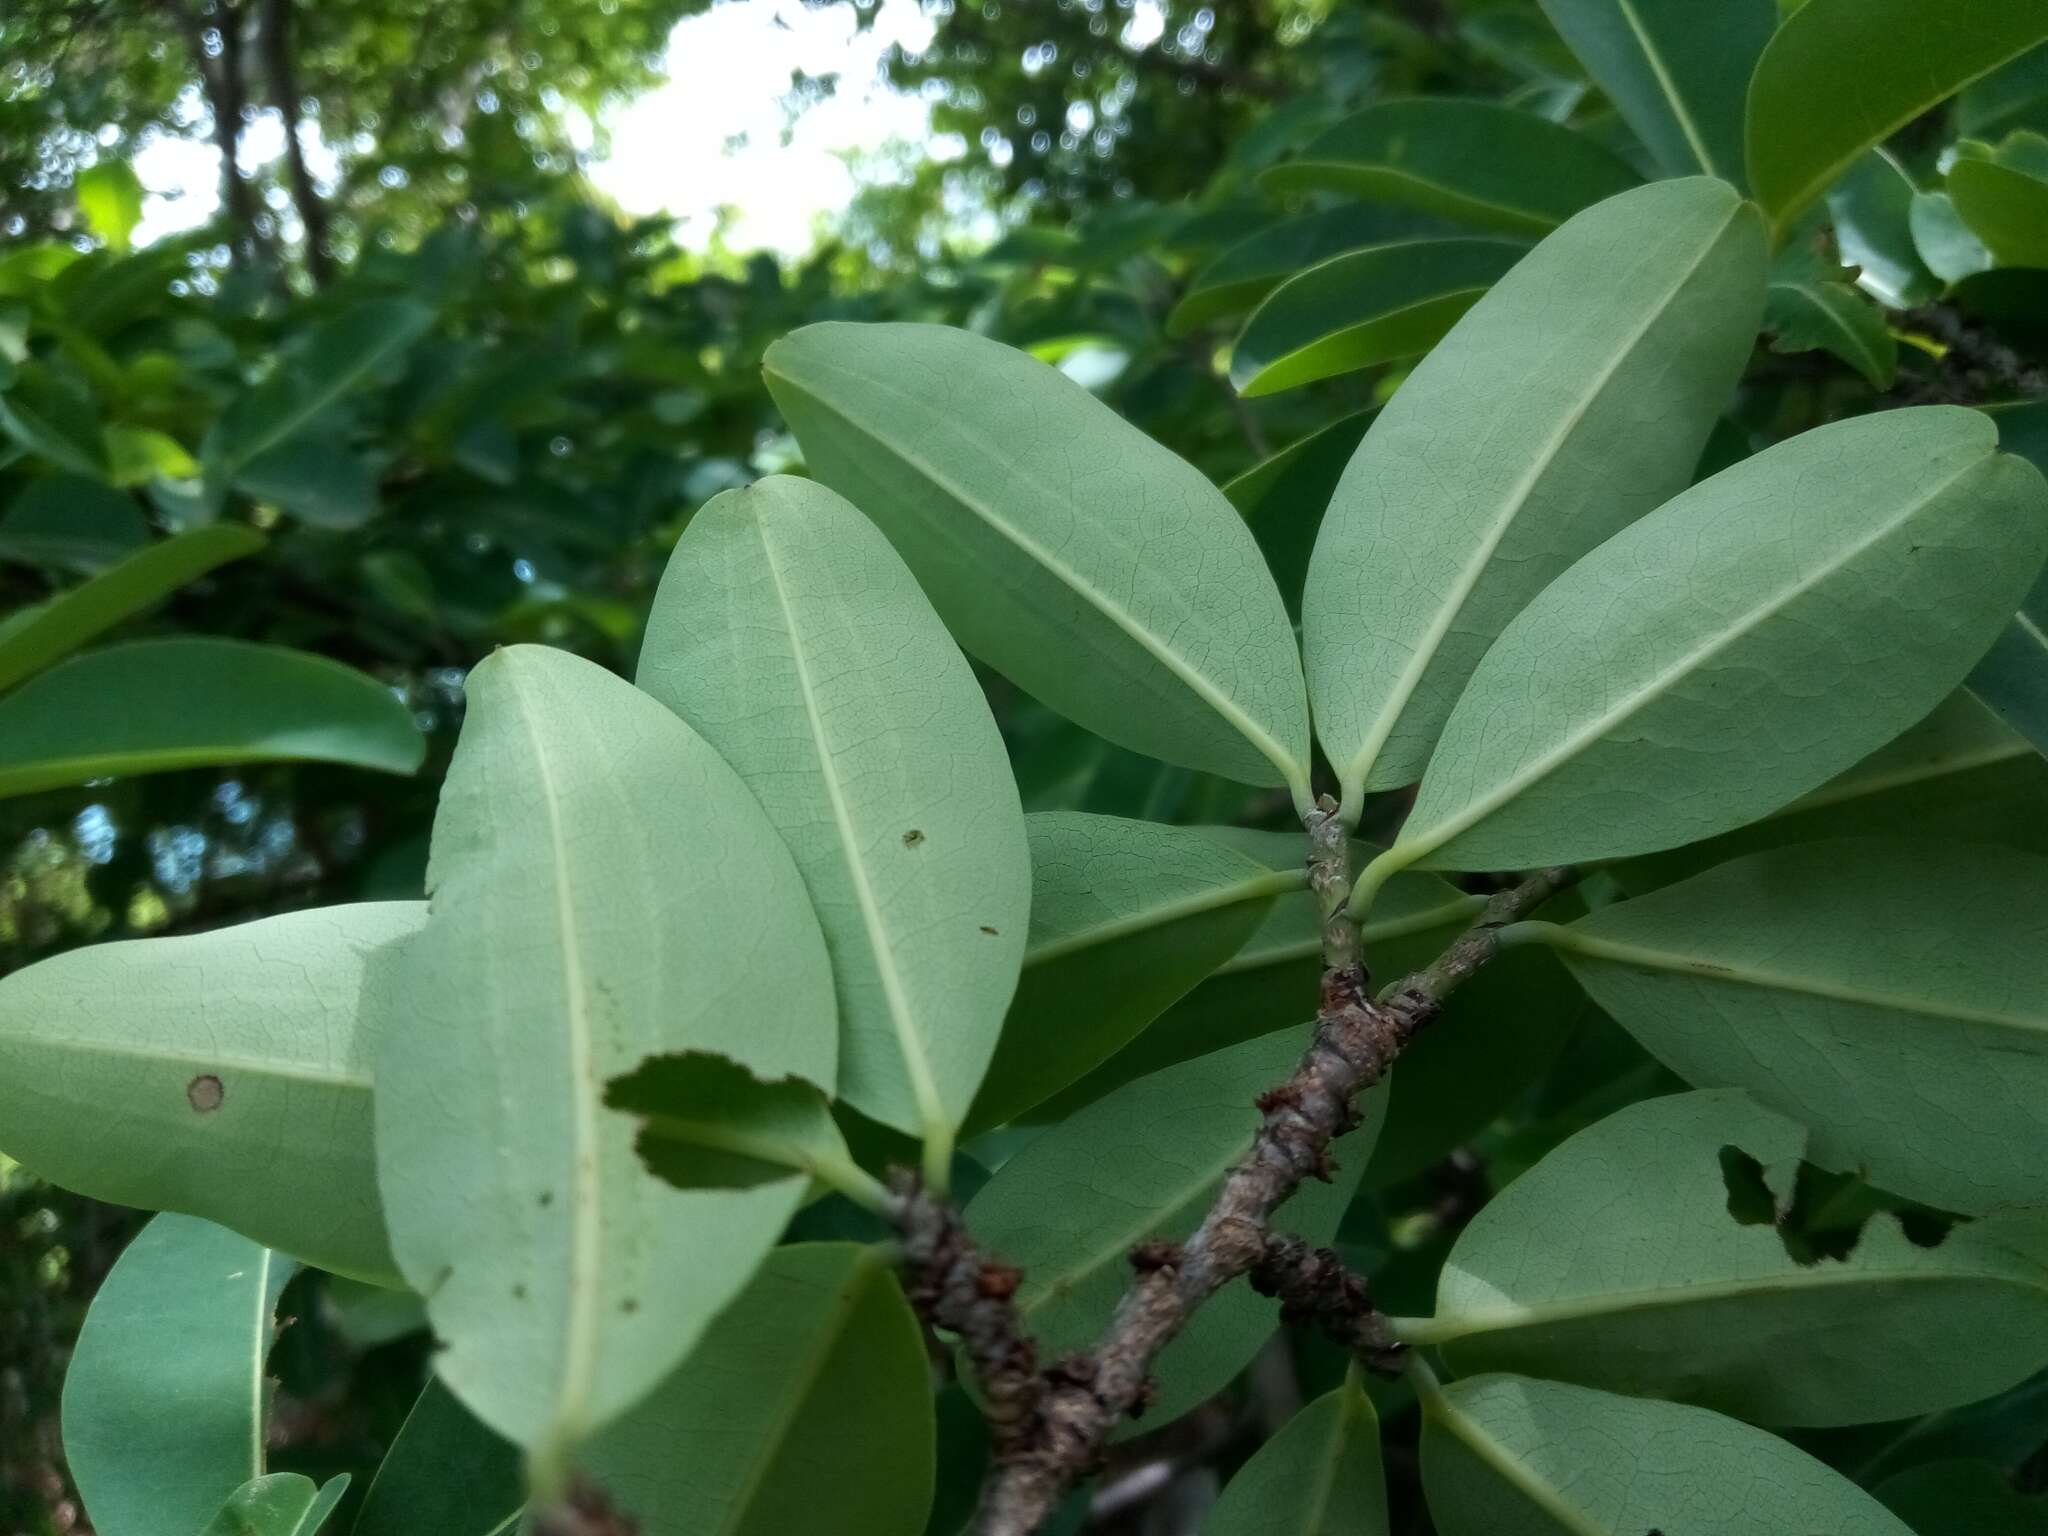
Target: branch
(281,76)
(1051,1426)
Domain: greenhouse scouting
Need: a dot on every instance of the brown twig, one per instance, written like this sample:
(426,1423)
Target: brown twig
(1316,1289)
(1051,1426)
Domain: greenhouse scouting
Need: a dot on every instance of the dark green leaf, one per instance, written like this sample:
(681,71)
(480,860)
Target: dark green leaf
(1251,269)
(1963,1498)
(1283,498)
(281,1504)
(445,1473)
(72,522)
(1320,1475)
(1810,313)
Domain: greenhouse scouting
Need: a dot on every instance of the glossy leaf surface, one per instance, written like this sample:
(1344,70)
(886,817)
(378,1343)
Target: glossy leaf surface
(792,638)
(1618,340)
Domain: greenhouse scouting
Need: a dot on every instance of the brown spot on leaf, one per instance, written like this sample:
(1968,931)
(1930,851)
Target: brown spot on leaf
(205,1093)
(629,1306)
(912,838)
(988,930)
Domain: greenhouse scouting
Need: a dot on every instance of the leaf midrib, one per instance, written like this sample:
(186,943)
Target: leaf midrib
(1687,663)
(1195,681)
(1511,1470)
(1252,888)
(1669,86)
(1359,770)
(256,1066)
(1532,221)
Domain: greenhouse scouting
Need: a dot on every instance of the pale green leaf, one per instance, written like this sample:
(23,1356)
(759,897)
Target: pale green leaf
(156,705)
(445,1473)
(281,1504)
(1950,247)
(137,455)
(1892,995)
(1477,162)
(604,889)
(807,1406)
(72,522)
(1145,1162)
(110,199)
(1059,543)
(1807,313)
(1616,1262)
(223,1074)
(791,636)
(1572,399)
(1256,265)
(139,582)
(1366,307)
(164,1400)
(1748,640)
(1841,76)
(1126,918)
(1871,208)
(1678,75)
(1507,1456)
(2003,198)
(337,358)
(1320,1475)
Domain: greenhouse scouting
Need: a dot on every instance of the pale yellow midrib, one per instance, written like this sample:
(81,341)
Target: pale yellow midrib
(1541,221)
(1686,664)
(579,1353)
(294,1072)
(1326,1474)
(924,1087)
(1857,789)
(1291,771)
(1512,1471)
(1669,87)
(2026,622)
(1678,963)
(1269,883)
(1454,1326)
(1362,761)
(261,1355)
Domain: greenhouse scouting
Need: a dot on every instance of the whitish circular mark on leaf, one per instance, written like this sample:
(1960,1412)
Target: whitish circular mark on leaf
(205,1093)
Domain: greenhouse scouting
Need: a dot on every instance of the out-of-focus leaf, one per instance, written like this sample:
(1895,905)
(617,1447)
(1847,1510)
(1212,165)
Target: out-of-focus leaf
(2003,197)
(1664,689)
(136,455)
(604,889)
(1622,366)
(1251,269)
(156,705)
(53,419)
(1962,1498)
(110,197)
(445,1473)
(795,640)
(1472,161)
(1059,543)
(1948,246)
(1806,312)
(223,1074)
(138,582)
(1871,208)
(1841,76)
(2014,95)
(280,1504)
(1126,917)
(1145,1162)
(317,480)
(72,522)
(164,1400)
(1892,995)
(1319,1475)
(1507,1456)
(2013,676)
(1371,306)
(811,1392)
(1677,75)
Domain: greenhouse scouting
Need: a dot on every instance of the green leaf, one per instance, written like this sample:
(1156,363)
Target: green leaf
(336,358)
(1255,266)
(2013,676)
(1871,208)
(1061,545)
(1473,161)
(1146,1162)
(2004,200)
(789,634)
(709,1123)
(72,522)
(1320,1475)
(157,705)
(1365,307)
(604,889)
(110,199)
(1950,247)
(137,455)
(1842,76)
(162,1073)
(2012,95)
(1962,1498)
(1126,918)
(1678,76)
(1617,370)
(1892,995)
(165,1396)
(1507,1456)
(317,480)
(445,1473)
(1617,1262)
(1959,775)
(53,418)
(144,579)
(1748,640)
(811,1392)
(282,1504)
(1809,313)
(1283,497)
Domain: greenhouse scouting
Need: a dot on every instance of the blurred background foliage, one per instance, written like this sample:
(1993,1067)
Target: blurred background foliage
(452,397)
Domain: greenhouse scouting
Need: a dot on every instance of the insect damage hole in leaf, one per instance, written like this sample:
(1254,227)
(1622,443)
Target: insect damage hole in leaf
(1824,1218)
